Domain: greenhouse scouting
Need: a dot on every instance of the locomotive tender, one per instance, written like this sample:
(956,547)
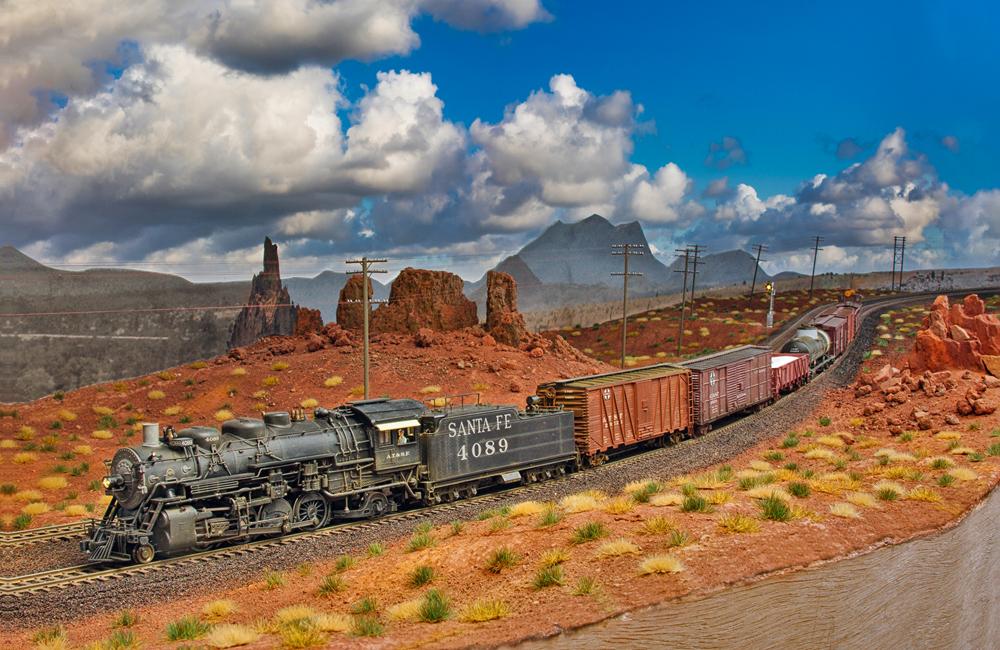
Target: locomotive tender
(201,486)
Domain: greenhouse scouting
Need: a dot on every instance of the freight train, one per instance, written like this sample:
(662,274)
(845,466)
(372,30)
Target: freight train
(182,491)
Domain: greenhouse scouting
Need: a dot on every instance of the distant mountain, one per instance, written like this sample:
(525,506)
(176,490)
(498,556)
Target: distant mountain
(788,275)
(581,253)
(721,269)
(64,329)
(323,291)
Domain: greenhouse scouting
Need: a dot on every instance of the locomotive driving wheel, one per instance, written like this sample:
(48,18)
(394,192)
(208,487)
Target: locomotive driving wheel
(312,507)
(143,554)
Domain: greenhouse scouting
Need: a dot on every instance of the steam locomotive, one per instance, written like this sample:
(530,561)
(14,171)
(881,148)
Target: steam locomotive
(201,486)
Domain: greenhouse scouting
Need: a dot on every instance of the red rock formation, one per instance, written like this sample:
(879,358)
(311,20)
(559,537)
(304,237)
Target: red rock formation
(956,336)
(269,310)
(430,299)
(350,307)
(503,321)
(308,321)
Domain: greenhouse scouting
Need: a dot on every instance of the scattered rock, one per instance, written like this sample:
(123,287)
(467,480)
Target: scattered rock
(984,406)
(515,387)
(238,354)
(989,381)
(536,353)
(862,391)
(424,338)
(489,341)
(962,408)
(281,346)
(316,343)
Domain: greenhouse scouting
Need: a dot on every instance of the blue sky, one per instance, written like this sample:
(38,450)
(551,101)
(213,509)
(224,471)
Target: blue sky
(448,134)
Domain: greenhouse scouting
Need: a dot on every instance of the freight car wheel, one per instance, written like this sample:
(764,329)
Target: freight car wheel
(312,507)
(143,554)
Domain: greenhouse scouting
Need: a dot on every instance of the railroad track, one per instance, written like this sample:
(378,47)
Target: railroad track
(88,574)
(43,533)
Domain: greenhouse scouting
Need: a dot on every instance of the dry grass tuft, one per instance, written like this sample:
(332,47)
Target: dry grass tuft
(7,444)
(101,434)
(309,403)
(618,505)
(660,564)
(172,411)
(330,382)
(962,451)
(737,523)
(963,474)
(332,622)
(103,410)
(764,491)
(25,433)
(719,497)
(830,441)
(554,556)
(286,615)
(574,503)
(657,525)
(67,416)
(616,548)
(426,390)
(35,508)
(230,635)
(408,610)
(238,372)
(223,415)
(845,510)
(708,481)
(785,475)
(923,494)
(948,435)
(156,394)
(799,511)
(890,485)
(863,499)
(76,510)
(761,466)
(53,483)
(28,495)
(666,499)
(485,610)
(638,486)
(526,508)
(24,457)
(217,610)
(825,454)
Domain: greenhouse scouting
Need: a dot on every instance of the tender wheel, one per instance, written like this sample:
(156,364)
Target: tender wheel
(378,504)
(312,507)
(143,554)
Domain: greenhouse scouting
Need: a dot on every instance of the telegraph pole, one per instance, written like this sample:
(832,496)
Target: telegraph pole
(694,272)
(816,250)
(365,272)
(626,250)
(753,285)
(898,246)
(687,258)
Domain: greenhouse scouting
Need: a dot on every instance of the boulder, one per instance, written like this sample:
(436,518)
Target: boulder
(984,406)
(424,338)
(316,343)
(992,364)
(425,299)
(989,381)
(350,307)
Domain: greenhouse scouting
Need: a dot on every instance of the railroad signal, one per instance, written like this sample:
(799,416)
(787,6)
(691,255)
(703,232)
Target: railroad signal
(770,313)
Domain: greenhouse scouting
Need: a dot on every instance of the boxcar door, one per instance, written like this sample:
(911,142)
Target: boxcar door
(716,389)
(741,385)
(644,409)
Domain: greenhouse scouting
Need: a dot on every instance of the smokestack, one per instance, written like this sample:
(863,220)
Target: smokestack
(150,434)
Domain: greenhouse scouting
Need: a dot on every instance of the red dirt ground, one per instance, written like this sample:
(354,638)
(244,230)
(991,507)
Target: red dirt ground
(712,558)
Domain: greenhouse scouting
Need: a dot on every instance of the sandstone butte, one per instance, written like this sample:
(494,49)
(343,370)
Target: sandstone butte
(959,336)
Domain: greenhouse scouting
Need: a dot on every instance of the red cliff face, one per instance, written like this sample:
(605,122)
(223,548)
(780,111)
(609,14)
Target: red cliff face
(503,322)
(269,308)
(425,299)
(350,307)
(956,336)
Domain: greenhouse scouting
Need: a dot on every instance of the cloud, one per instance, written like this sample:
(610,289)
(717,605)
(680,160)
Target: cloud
(950,143)
(848,149)
(487,15)
(718,188)
(725,154)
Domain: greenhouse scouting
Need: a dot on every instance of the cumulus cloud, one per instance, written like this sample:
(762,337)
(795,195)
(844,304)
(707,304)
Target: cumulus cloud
(725,154)
(487,15)
(717,188)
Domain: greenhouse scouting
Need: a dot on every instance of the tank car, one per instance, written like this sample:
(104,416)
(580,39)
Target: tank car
(201,486)
(809,340)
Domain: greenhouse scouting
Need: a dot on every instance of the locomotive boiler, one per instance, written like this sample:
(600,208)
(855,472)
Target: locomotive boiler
(201,486)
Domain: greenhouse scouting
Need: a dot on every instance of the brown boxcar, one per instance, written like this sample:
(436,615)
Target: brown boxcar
(788,372)
(728,382)
(623,408)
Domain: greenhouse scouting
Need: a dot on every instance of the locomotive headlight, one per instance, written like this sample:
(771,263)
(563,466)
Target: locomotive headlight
(113,482)
(106,482)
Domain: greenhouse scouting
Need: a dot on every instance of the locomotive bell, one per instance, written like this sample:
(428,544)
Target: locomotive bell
(150,434)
